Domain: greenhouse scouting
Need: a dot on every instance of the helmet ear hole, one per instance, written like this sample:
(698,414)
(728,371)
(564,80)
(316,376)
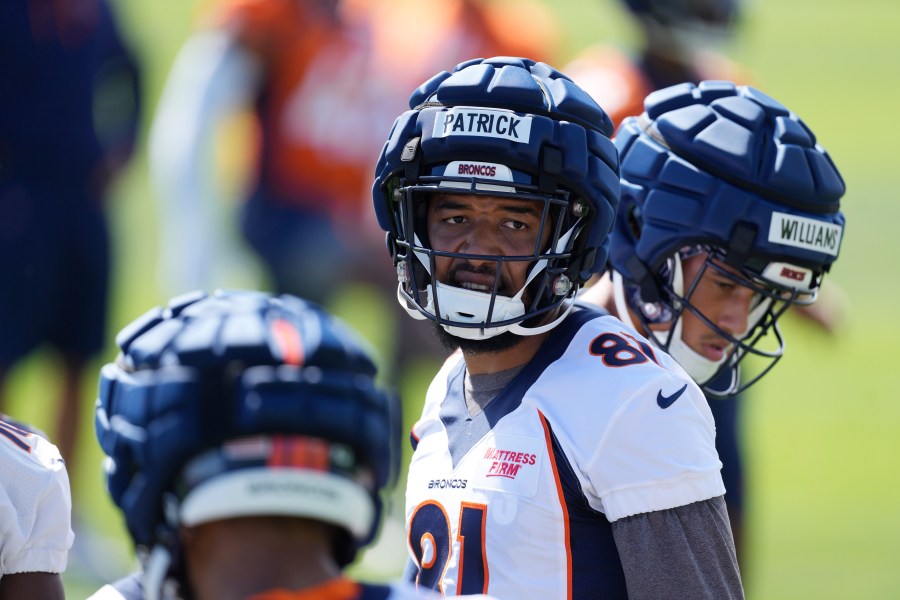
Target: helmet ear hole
(581,265)
(650,286)
(633,220)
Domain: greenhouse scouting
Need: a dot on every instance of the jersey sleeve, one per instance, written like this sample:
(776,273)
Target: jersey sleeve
(684,552)
(658,451)
(35,505)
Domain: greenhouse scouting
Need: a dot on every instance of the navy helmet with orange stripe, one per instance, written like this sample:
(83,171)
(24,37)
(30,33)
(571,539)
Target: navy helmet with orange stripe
(244,404)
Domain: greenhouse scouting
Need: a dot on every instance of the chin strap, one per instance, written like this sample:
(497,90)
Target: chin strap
(474,333)
(155,571)
(471,307)
(462,305)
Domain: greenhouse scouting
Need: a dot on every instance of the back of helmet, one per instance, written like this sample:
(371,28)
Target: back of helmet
(243,404)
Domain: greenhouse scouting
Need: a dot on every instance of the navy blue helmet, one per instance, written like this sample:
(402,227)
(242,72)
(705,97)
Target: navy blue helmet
(244,404)
(502,127)
(724,170)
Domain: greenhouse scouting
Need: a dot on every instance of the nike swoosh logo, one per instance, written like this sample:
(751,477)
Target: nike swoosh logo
(667,401)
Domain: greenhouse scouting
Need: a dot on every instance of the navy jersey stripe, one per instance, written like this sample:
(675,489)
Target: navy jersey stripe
(374,592)
(15,436)
(464,431)
(595,564)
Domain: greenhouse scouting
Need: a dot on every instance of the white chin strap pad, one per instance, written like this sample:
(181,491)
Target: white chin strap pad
(700,368)
(469,306)
(460,305)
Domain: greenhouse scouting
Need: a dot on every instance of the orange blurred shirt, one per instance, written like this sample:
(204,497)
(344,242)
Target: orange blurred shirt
(333,84)
(336,589)
(614,80)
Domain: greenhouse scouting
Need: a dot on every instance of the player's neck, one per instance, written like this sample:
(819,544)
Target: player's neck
(485,363)
(601,293)
(250,555)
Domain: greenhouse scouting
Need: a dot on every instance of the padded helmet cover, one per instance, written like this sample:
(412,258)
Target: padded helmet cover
(207,369)
(567,145)
(725,166)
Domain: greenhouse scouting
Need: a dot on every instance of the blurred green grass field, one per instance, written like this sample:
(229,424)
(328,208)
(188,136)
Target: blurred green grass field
(821,430)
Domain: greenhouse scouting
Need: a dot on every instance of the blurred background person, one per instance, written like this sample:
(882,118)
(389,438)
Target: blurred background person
(69,106)
(679,41)
(320,83)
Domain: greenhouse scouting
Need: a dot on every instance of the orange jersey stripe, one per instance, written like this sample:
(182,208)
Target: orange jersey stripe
(336,589)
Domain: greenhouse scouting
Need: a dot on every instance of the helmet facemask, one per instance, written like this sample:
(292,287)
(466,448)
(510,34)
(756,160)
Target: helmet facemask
(761,338)
(481,314)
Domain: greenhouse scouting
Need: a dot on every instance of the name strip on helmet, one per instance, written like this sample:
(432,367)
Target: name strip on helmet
(800,232)
(480,122)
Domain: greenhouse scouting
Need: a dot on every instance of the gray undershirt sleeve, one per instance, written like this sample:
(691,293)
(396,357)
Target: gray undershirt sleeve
(683,552)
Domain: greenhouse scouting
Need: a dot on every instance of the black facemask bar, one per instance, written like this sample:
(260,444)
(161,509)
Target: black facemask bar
(771,301)
(416,261)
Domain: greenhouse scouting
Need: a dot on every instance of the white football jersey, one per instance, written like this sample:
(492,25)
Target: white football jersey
(517,501)
(35,504)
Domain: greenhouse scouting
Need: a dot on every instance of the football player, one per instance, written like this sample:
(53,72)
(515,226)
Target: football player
(69,116)
(322,82)
(35,515)
(559,454)
(729,215)
(248,445)
(680,42)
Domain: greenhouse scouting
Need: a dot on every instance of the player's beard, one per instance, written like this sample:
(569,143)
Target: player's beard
(491,345)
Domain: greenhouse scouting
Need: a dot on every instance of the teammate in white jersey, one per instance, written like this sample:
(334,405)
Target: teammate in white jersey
(729,214)
(559,455)
(248,446)
(35,515)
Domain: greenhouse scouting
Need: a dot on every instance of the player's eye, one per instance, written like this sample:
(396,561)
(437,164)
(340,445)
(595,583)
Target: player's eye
(725,284)
(517,225)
